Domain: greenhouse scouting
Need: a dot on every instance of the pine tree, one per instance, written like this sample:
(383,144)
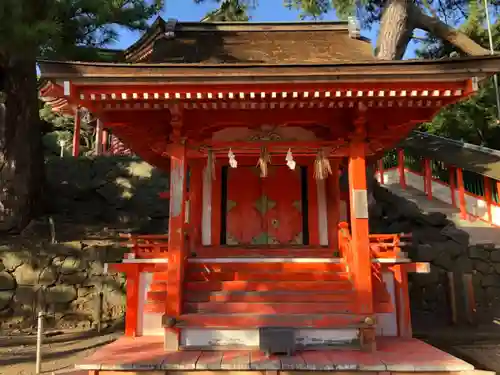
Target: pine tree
(52,29)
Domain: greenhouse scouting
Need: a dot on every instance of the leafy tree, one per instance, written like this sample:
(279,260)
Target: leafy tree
(476,119)
(51,29)
(229,10)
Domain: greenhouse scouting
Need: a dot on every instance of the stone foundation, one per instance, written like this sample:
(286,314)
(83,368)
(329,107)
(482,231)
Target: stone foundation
(438,241)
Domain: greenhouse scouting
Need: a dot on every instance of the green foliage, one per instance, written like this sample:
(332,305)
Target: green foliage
(476,119)
(61,129)
(58,28)
(473,121)
(229,10)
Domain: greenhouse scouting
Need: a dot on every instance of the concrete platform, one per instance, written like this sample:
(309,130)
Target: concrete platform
(146,354)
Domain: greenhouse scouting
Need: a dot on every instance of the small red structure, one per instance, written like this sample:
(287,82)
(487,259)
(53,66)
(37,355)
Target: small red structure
(261,117)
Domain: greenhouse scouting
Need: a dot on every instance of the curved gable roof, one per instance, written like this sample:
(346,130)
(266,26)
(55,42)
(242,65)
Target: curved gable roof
(245,42)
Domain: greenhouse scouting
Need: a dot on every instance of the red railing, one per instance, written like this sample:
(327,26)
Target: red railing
(146,246)
(474,194)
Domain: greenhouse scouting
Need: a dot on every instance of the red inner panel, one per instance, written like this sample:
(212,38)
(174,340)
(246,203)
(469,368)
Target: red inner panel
(263,211)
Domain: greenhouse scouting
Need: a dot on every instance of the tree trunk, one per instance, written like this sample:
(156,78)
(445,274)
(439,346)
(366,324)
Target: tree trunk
(396,29)
(21,152)
(438,28)
(401,17)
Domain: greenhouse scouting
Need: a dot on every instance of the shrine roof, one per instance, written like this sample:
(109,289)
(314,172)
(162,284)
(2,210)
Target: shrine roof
(248,42)
(447,70)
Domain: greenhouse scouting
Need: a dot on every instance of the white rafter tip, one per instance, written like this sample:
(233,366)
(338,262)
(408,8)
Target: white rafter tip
(327,94)
(263,94)
(198,95)
(392,93)
(306,94)
(113,96)
(242,95)
(414,93)
(435,93)
(370,93)
(349,93)
(124,95)
(188,95)
(252,95)
(403,93)
(338,94)
(458,92)
(381,93)
(92,96)
(360,93)
(220,95)
(295,94)
(103,96)
(177,95)
(273,95)
(134,95)
(82,96)
(447,93)
(425,93)
(230,95)
(145,95)
(209,95)
(284,94)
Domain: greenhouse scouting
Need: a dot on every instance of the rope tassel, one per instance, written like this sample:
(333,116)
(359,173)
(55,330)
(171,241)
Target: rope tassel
(322,167)
(264,160)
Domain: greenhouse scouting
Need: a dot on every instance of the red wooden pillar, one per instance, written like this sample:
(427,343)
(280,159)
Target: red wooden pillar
(461,194)
(216,220)
(98,137)
(428,178)
(104,141)
(333,206)
(132,300)
(402,301)
(359,228)
(76,133)
(488,197)
(401,168)
(176,242)
(381,170)
(453,185)
(195,203)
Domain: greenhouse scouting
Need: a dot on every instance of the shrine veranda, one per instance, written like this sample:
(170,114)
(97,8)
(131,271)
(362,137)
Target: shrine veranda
(263,240)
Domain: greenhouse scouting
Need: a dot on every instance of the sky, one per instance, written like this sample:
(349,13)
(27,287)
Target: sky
(266,11)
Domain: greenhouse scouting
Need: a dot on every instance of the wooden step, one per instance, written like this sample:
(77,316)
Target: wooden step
(269,308)
(264,297)
(264,276)
(263,253)
(266,267)
(272,320)
(262,286)
(156,296)
(158,287)
(154,307)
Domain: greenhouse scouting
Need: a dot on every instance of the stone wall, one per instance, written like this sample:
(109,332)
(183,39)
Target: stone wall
(88,201)
(438,241)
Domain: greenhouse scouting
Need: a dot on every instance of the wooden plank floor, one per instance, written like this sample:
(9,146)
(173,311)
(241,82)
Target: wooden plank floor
(393,354)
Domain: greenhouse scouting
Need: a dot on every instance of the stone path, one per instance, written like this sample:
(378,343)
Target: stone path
(479,231)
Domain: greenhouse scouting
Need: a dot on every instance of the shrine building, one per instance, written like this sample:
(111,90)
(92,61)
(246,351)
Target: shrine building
(255,123)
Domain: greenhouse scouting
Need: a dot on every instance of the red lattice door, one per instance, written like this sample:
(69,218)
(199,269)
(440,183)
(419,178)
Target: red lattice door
(283,215)
(263,211)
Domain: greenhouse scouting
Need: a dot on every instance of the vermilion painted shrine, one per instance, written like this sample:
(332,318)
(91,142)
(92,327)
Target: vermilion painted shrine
(265,252)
